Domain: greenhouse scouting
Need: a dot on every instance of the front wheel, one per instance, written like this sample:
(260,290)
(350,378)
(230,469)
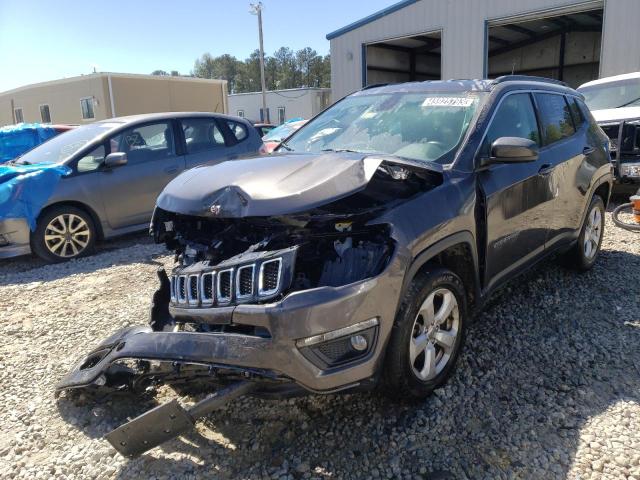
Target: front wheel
(584,253)
(427,335)
(63,233)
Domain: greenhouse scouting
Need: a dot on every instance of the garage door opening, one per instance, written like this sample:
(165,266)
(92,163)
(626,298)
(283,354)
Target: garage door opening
(565,47)
(404,59)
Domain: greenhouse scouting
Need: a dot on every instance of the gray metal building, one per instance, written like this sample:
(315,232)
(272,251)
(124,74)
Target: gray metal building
(572,40)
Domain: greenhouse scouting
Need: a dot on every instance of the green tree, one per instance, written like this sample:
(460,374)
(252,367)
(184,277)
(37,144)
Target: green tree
(204,66)
(284,69)
(159,72)
(287,76)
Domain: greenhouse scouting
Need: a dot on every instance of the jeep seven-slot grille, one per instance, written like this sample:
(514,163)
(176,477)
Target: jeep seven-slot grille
(181,290)
(270,276)
(251,282)
(225,287)
(207,288)
(244,281)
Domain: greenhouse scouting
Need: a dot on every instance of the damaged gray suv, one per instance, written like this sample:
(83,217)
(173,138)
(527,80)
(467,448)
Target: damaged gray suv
(357,254)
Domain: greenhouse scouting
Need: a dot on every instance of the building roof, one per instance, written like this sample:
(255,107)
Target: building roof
(374,16)
(113,75)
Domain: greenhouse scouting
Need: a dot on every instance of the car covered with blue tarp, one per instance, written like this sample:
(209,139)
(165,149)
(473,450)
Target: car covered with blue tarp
(18,139)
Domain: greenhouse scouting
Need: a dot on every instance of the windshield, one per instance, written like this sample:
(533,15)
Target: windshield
(419,126)
(623,93)
(63,146)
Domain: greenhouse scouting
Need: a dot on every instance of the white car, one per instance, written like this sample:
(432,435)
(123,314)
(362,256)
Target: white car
(615,105)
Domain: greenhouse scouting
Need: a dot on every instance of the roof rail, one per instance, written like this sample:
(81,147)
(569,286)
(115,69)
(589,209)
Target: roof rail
(527,78)
(375,85)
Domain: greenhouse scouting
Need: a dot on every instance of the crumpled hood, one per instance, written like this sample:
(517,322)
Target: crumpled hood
(264,186)
(616,114)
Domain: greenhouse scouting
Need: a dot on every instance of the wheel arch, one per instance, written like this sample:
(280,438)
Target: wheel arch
(456,252)
(81,206)
(604,191)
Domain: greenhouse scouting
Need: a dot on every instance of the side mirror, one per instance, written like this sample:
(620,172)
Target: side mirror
(511,150)
(116,159)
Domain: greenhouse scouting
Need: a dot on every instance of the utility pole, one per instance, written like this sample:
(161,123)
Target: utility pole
(256,9)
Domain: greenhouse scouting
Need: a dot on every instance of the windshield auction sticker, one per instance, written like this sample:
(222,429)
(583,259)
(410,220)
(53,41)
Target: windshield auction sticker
(447,102)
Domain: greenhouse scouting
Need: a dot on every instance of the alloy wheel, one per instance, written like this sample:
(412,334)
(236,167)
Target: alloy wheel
(67,235)
(434,334)
(592,233)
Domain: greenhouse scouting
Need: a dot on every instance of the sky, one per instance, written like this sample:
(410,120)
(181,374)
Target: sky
(44,40)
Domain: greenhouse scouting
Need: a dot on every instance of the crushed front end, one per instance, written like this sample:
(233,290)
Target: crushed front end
(300,300)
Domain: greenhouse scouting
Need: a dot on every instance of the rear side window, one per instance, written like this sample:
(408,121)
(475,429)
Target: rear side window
(576,112)
(238,130)
(201,134)
(555,116)
(515,117)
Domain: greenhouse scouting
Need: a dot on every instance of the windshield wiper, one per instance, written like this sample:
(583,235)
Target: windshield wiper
(286,146)
(340,150)
(628,103)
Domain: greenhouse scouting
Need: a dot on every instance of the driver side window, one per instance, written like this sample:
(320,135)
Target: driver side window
(515,117)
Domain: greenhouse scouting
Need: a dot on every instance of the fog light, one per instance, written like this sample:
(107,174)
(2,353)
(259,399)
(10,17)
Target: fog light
(359,343)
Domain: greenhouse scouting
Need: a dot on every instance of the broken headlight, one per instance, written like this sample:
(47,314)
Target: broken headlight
(350,254)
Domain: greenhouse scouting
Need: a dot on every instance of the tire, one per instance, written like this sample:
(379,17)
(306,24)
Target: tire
(63,233)
(414,337)
(584,253)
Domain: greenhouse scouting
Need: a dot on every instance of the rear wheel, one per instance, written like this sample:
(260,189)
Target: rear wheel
(427,335)
(63,233)
(584,253)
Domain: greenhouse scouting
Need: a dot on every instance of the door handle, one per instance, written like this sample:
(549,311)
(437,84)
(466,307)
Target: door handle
(588,150)
(545,169)
(171,170)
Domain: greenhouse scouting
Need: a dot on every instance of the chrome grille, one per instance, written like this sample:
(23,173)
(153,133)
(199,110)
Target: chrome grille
(256,281)
(192,289)
(206,288)
(244,281)
(181,290)
(172,287)
(269,281)
(224,286)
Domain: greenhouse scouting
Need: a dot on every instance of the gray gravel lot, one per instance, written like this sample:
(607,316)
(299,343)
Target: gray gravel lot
(548,386)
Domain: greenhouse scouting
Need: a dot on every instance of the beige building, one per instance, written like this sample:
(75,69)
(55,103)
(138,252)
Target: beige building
(97,96)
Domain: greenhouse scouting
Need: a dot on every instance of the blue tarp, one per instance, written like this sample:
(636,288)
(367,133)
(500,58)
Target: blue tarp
(17,139)
(24,189)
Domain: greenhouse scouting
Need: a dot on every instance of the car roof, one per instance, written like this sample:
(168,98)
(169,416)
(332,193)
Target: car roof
(615,78)
(467,85)
(146,117)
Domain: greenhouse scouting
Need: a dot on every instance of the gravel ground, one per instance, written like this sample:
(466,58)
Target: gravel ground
(548,386)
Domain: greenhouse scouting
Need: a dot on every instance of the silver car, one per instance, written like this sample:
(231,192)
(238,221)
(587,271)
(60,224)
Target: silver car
(117,169)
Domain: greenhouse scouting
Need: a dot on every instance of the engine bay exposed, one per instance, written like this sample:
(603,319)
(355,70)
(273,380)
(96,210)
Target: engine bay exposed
(332,245)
